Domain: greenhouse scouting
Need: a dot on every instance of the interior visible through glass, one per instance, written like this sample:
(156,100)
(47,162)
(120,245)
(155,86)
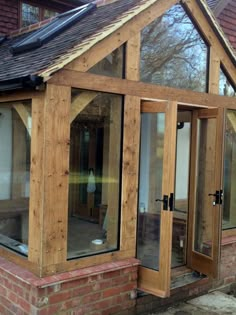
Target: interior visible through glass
(95,159)
(180,213)
(205,207)
(112,65)
(150,188)
(29,14)
(229,199)
(15,141)
(173,53)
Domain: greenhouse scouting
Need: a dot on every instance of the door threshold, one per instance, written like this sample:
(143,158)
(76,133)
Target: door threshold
(185,279)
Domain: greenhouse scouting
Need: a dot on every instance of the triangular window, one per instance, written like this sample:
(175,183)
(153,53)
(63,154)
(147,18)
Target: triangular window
(173,53)
(225,86)
(112,65)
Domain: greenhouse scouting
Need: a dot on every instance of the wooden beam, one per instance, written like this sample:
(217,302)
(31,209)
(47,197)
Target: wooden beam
(24,114)
(36,205)
(56,173)
(214,72)
(133,58)
(143,90)
(19,96)
(111,40)
(79,102)
(130,172)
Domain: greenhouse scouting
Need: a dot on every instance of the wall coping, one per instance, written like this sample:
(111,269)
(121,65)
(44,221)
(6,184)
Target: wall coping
(29,278)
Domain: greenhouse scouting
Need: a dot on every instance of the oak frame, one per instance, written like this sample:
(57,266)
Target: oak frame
(40,260)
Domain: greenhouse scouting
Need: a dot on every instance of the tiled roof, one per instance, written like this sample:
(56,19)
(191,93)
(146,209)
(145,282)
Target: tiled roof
(70,44)
(34,61)
(212,3)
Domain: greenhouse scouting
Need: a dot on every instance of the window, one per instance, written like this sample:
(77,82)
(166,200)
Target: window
(31,14)
(112,65)
(229,199)
(15,140)
(94,186)
(225,87)
(173,52)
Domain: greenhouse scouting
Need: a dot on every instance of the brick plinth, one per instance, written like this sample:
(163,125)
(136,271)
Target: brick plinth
(100,290)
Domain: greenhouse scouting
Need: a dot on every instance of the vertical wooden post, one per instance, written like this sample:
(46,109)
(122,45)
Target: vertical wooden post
(49,178)
(37,182)
(214,72)
(56,174)
(131,142)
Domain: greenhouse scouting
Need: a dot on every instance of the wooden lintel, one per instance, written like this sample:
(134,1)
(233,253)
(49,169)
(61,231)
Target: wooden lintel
(143,90)
(19,96)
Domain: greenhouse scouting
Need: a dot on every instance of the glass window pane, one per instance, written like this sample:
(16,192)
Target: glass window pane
(150,189)
(15,141)
(112,65)
(94,188)
(204,212)
(180,213)
(229,200)
(29,14)
(47,14)
(225,87)
(173,52)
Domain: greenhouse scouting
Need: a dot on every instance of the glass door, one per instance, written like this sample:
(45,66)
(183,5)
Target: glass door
(156,195)
(205,191)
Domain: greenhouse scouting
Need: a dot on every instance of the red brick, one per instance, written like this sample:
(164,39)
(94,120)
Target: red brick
(112,274)
(59,297)
(90,298)
(111,291)
(82,290)
(74,283)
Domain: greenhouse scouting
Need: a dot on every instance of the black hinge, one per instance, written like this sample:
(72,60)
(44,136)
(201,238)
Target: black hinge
(172,202)
(165,202)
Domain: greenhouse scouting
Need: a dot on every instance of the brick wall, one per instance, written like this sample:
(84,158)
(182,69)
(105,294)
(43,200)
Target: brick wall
(102,290)
(8,16)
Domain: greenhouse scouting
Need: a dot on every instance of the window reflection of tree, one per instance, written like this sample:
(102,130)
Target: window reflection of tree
(173,52)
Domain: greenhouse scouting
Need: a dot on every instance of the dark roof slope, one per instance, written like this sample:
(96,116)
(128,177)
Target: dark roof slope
(34,61)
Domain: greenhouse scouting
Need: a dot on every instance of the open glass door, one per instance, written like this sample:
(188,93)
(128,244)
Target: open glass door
(205,191)
(156,195)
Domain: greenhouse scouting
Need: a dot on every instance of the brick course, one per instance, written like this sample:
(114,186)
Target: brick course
(88,291)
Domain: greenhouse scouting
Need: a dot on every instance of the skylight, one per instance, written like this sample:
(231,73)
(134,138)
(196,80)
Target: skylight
(52,29)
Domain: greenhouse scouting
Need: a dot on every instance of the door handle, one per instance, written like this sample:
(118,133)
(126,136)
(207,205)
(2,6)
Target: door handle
(165,202)
(218,197)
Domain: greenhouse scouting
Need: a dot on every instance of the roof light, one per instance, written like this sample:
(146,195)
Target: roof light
(52,29)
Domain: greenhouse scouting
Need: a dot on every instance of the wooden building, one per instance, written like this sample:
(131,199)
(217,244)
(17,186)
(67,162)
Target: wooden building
(117,159)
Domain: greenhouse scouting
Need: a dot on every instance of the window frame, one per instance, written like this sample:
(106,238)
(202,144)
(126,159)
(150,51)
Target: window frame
(41,11)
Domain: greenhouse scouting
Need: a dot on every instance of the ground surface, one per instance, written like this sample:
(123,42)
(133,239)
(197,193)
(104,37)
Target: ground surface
(210,304)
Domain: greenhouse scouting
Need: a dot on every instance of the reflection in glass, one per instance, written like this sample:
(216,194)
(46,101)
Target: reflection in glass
(94,187)
(204,211)
(173,52)
(47,14)
(112,65)
(180,214)
(229,201)
(15,141)
(29,15)
(150,188)
(225,87)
